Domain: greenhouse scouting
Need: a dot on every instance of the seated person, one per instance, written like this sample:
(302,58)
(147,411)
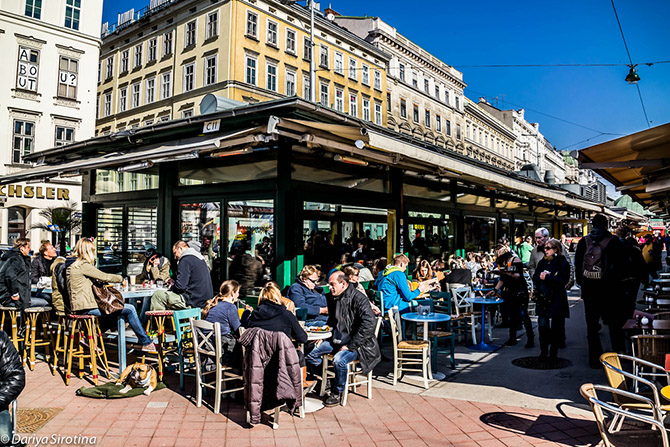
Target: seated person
(353,277)
(353,325)
(41,267)
(458,276)
(272,315)
(156,267)
(364,273)
(223,310)
(424,272)
(392,282)
(307,294)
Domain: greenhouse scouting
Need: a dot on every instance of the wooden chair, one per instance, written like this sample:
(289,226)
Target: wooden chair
(11,314)
(442,303)
(464,309)
(184,340)
(408,352)
(611,433)
(354,372)
(33,338)
(60,342)
(207,345)
(86,329)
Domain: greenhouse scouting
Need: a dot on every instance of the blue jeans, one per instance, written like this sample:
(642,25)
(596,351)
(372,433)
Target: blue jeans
(5,427)
(340,361)
(314,358)
(131,315)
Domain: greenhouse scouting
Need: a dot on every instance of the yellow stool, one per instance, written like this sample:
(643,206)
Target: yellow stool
(13,314)
(157,317)
(61,328)
(32,340)
(87,329)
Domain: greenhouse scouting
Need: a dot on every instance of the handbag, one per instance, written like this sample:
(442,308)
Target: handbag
(108,298)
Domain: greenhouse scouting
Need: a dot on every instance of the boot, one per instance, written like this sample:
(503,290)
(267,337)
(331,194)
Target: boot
(553,353)
(309,384)
(530,340)
(512,338)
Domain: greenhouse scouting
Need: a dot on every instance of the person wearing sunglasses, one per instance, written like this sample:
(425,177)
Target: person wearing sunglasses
(305,292)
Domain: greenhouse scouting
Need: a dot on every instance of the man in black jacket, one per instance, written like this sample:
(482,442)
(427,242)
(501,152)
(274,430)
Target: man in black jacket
(599,268)
(15,275)
(12,382)
(41,264)
(353,322)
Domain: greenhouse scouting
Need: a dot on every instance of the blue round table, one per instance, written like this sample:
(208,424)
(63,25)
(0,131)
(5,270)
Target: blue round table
(482,345)
(432,317)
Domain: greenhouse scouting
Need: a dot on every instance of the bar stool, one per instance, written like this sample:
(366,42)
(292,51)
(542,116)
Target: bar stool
(157,318)
(61,327)
(32,340)
(87,328)
(13,314)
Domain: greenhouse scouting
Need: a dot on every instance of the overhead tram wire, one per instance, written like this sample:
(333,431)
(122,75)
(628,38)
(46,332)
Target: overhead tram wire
(556,65)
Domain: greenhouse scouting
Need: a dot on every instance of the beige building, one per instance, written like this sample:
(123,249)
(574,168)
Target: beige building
(158,64)
(48,100)
(487,138)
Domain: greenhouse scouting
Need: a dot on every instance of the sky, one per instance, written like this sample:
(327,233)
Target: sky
(575,106)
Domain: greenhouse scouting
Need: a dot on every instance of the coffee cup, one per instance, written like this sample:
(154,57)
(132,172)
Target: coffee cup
(132,279)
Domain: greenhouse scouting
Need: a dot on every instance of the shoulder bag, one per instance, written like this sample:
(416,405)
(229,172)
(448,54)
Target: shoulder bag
(108,298)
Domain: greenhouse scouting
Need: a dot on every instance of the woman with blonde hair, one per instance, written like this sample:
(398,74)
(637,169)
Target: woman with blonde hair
(272,315)
(80,276)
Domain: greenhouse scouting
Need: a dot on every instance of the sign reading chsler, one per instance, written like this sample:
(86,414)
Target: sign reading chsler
(34,192)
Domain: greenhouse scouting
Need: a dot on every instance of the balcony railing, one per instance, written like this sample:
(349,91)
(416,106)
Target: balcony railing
(129,17)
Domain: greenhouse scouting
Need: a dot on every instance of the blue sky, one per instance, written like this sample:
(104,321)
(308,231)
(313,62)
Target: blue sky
(539,32)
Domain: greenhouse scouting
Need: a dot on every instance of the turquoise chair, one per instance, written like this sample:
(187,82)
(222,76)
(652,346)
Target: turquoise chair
(185,341)
(442,303)
(301,313)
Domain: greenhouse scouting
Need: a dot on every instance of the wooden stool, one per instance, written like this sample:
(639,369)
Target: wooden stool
(13,314)
(87,328)
(57,348)
(157,317)
(32,314)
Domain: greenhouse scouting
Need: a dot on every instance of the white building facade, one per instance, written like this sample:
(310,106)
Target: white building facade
(47,99)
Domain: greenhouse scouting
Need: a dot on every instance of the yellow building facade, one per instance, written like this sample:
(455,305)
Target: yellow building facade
(159,64)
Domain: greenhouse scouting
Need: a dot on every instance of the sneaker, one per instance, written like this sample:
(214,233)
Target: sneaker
(151,347)
(333,400)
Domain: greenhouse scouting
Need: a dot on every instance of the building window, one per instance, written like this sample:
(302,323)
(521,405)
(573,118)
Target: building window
(210,70)
(34,8)
(366,108)
(353,70)
(125,56)
(251,70)
(446,96)
(378,113)
(401,72)
(152,50)
(427,119)
(64,135)
(272,33)
(189,34)
(135,98)
(72,13)
(290,41)
(305,88)
(415,79)
(339,99)
(150,90)
(353,104)
(323,57)
(271,83)
(447,125)
(457,101)
(426,85)
(148,123)
(24,134)
(189,77)
(324,95)
(290,83)
(252,25)
(458,131)
(467,131)
(109,67)
(167,43)
(438,123)
(99,70)
(123,99)
(166,85)
(403,108)
(378,79)
(306,49)
(339,63)
(68,78)
(138,56)
(107,105)
(416,113)
(365,78)
(437,92)
(187,113)
(212,24)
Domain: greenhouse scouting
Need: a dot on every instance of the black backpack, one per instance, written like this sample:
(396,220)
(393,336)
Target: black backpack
(593,257)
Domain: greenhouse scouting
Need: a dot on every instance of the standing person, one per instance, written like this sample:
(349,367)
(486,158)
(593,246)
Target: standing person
(15,277)
(80,276)
(598,268)
(156,267)
(12,382)
(353,323)
(306,293)
(551,276)
(541,236)
(514,291)
(524,250)
(634,274)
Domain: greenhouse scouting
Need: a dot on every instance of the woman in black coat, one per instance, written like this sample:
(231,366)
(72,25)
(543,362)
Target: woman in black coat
(551,276)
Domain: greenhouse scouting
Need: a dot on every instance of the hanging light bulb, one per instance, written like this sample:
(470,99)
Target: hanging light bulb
(632,77)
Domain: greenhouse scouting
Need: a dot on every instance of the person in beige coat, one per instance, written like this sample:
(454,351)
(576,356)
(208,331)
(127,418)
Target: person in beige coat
(80,276)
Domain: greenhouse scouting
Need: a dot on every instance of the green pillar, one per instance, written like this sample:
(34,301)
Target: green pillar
(460,234)
(168,211)
(287,226)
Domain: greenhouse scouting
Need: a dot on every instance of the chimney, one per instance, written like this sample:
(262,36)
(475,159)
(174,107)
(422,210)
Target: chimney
(329,10)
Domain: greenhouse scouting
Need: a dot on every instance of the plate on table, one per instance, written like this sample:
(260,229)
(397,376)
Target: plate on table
(317,329)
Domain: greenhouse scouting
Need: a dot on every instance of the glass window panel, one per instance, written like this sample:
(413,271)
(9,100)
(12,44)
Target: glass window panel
(142,235)
(346,175)
(112,181)
(196,173)
(201,222)
(109,240)
(16,224)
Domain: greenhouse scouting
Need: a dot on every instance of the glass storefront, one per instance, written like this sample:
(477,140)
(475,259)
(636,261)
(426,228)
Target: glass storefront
(479,233)
(201,222)
(141,236)
(16,227)
(430,235)
(109,240)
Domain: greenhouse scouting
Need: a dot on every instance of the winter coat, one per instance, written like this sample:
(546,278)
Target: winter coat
(15,279)
(311,299)
(613,258)
(273,317)
(56,296)
(552,288)
(536,256)
(246,270)
(154,273)
(350,313)
(40,267)
(272,374)
(12,375)
(393,285)
(80,276)
(194,282)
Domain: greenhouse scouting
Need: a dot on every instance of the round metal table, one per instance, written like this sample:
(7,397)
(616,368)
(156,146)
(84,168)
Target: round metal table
(433,317)
(482,345)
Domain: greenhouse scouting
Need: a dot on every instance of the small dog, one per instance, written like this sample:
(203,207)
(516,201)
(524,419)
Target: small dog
(138,375)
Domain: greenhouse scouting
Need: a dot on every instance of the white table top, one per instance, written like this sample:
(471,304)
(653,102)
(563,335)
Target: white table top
(312,336)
